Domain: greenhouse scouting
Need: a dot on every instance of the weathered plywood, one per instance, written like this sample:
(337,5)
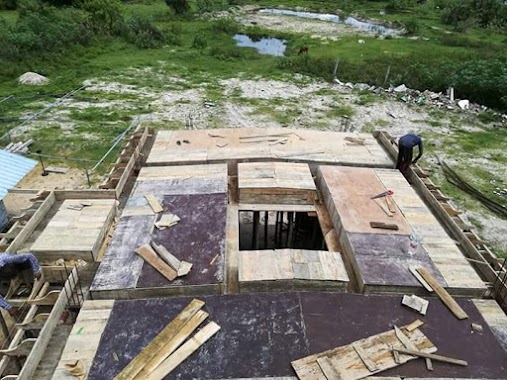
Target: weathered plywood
(275,182)
(85,337)
(243,144)
(287,268)
(73,232)
(448,259)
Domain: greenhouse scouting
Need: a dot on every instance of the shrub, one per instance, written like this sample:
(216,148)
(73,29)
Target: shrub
(8,5)
(225,53)
(104,16)
(412,27)
(200,42)
(398,5)
(204,6)
(180,7)
(144,34)
(173,34)
(225,25)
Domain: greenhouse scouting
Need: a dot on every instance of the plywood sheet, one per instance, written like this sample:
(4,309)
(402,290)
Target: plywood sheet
(301,145)
(348,191)
(76,231)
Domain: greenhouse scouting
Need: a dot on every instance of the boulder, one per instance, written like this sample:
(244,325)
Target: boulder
(400,88)
(32,79)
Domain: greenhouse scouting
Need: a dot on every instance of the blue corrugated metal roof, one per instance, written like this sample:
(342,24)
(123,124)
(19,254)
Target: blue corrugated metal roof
(13,168)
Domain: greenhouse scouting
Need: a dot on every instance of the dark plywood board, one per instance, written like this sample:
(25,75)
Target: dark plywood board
(384,259)
(180,186)
(120,267)
(197,238)
(333,320)
(260,334)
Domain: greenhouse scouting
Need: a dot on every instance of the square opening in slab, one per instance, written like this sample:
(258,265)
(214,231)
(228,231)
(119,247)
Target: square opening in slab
(279,230)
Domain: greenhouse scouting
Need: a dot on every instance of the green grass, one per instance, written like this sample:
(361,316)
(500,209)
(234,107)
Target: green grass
(341,110)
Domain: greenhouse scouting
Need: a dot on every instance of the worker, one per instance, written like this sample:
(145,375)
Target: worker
(13,265)
(406,149)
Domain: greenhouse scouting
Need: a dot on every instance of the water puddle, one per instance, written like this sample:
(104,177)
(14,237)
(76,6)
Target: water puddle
(361,25)
(269,46)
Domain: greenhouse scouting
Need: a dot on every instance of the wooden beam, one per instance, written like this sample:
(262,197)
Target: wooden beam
(188,328)
(168,333)
(167,256)
(438,358)
(442,293)
(187,349)
(147,253)
(153,202)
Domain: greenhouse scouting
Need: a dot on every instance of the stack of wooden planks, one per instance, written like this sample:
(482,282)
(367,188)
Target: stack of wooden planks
(169,349)
(364,357)
(165,263)
(286,269)
(276,183)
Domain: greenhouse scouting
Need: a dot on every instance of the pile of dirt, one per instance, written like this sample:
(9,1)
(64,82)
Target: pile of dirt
(33,79)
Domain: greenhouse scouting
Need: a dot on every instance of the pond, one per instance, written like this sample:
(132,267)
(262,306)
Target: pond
(361,25)
(270,46)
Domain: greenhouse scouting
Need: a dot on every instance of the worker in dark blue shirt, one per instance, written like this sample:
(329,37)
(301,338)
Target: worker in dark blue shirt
(12,265)
(406,150)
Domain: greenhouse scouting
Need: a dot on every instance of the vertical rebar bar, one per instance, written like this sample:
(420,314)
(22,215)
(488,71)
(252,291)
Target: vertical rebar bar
(266,230)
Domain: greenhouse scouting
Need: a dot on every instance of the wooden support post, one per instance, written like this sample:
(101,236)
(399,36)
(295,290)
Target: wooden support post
(255,230)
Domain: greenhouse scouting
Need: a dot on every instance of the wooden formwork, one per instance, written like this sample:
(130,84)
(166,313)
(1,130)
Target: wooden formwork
(44,323)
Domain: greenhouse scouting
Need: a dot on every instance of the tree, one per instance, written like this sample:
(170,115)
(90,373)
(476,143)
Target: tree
(179,7)
(104,16)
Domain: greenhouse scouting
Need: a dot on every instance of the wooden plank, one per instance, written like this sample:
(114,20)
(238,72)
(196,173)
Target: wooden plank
(187,330)
(36,323)
(32,224)
(403,339)
(167,256)
(443,294)
(414,325)
(370,364)
(187,349)
(138,363)
(154,204)
(438,358)
(328,369)
(48,299)
(385,226)
(147,253)
(416,274)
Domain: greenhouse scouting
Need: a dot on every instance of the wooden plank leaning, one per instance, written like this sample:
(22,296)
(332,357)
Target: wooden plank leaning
(442,293)
(137,364)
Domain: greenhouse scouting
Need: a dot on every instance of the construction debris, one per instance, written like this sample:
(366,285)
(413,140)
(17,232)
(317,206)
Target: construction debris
(411,327)
(153,202)
(417,303)
(147,253)
(358,359)
(166,221)
(182,268)
(438,358)
(19,147)
(477,328)
(443,294)
(384,226)
(77,369)
(56,169)
(162,354)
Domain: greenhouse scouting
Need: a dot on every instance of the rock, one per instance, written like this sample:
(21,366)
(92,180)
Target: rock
(349,85)
(378,90)
(337,81)
(361,42)
(400,88)
(464,104)
(32,79)
(361,86)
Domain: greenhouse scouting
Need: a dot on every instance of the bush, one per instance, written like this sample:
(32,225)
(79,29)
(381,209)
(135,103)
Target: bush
(226,53)
(412,27)
(8,5)
(143,34)
(173,34)
(200,42)
(204,6)
(398,5)
(42,29)
(180,7)
(104,16)
(225,25)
